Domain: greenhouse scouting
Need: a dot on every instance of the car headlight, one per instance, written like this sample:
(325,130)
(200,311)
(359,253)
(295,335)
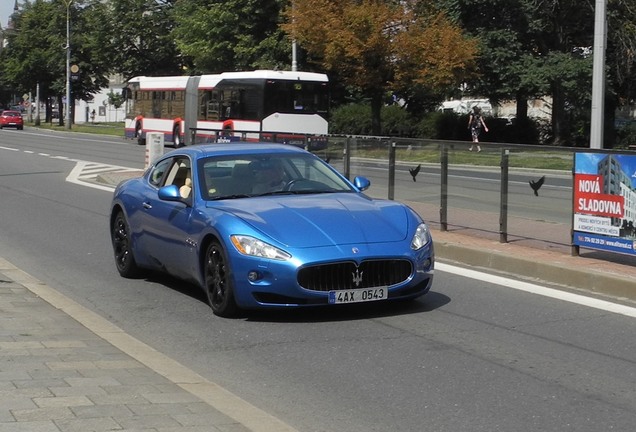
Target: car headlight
(421,237)
(254,247)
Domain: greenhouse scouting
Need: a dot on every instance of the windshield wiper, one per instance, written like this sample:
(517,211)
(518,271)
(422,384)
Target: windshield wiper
(300,192)
(234,196)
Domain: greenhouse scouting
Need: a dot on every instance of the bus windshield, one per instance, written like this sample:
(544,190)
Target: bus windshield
(293,97)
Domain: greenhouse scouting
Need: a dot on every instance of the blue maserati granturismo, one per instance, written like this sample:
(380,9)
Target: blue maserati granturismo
(260,225)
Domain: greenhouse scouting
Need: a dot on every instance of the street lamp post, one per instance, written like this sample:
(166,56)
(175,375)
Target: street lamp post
(67,121)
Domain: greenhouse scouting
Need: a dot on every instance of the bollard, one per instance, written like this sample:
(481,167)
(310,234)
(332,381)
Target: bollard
(154,147)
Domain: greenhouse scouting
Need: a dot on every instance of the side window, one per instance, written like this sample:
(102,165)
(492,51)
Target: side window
(179,172)
(180,175)
(158,172)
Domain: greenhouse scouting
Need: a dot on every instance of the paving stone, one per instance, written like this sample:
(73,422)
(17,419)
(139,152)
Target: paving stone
(77,390)
(97,411)
(169,409)
(62,401)
(132,399)
(42,414)
(91,382)
(102,424)
(154,421)
(40,383)
(180,397)
(32,426)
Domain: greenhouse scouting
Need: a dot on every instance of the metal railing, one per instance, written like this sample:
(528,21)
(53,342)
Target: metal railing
(488,191)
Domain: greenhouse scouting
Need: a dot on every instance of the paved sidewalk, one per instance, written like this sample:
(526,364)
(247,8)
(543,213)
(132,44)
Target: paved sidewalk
(64,368)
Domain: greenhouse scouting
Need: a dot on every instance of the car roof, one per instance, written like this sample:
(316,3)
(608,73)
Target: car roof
(198,151)
(9,112)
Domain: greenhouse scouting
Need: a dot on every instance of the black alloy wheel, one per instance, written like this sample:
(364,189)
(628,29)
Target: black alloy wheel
(218,282)
(124,260)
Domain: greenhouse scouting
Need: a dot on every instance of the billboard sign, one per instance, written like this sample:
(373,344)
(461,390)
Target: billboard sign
(605,202)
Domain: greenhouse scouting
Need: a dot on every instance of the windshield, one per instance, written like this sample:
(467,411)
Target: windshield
(249,175)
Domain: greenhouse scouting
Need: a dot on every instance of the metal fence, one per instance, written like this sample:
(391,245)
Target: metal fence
(518,193)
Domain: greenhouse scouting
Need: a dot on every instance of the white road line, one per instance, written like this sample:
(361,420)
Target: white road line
(540,290)
(85,174)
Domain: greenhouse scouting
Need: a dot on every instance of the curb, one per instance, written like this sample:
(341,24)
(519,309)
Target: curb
(570,272)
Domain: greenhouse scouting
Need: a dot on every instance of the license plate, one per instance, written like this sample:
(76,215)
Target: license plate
(358,295)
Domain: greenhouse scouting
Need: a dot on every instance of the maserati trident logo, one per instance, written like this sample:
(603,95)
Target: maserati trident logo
(357,277)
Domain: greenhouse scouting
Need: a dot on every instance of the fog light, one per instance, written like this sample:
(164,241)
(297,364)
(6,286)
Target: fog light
(253,276)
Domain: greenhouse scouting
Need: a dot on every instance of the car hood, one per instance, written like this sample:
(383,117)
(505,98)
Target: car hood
(322,220)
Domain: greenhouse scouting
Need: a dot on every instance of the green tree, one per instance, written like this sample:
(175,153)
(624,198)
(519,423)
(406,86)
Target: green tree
(36,55)
(378,46)
(226,35)
(35,51)
(533,48)
(139,38)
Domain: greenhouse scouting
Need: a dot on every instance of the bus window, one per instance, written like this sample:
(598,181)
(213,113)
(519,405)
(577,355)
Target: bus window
(296,98)
(240,100)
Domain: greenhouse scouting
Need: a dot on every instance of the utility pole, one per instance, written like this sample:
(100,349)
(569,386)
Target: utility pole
(598,76)
(67,121)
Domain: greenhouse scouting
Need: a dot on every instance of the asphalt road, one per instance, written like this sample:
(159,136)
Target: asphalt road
(471,356)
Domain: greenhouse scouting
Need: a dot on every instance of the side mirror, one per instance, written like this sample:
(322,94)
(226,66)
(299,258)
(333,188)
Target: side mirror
(170,193)
(361,183)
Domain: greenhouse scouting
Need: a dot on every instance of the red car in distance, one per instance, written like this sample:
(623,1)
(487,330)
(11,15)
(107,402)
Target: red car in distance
(11,119)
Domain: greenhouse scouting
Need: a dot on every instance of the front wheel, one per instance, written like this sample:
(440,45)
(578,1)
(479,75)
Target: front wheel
(122,248)
(218,281)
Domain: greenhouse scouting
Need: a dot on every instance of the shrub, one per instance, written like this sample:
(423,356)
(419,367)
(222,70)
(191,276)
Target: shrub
(626,136)
(351,119)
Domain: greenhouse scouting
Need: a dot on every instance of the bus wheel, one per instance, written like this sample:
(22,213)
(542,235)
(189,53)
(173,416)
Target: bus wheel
(139,135)
(176,137)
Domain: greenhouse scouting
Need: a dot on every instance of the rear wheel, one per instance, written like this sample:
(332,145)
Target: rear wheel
(122,248)
(218,281)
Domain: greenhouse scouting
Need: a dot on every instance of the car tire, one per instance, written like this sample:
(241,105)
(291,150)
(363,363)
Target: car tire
(122,248)
(218,281)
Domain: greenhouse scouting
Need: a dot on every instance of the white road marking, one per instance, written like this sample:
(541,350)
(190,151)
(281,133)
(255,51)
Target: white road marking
(540,290)
(86,173)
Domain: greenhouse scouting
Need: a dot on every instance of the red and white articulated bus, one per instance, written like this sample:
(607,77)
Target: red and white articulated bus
(261,105)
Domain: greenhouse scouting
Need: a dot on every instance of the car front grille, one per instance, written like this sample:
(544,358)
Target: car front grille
(348,275)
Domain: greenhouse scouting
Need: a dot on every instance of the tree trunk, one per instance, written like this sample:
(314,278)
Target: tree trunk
(559,120)
(61,112)
(376,113)
(522,108)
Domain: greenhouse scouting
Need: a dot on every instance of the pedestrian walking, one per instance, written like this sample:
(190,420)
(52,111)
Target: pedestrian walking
(475,124)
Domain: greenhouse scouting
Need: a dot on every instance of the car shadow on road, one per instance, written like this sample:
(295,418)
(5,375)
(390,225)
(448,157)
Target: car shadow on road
(427,303)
